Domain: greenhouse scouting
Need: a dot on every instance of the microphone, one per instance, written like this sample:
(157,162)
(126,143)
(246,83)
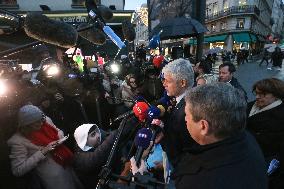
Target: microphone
(140,110)
(96,16)
(128,31)
(142,141)
(126,114)
(93,35)
(42,28)
(105,12)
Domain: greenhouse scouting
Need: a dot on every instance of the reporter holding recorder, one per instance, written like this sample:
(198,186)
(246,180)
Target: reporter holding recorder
(36,150)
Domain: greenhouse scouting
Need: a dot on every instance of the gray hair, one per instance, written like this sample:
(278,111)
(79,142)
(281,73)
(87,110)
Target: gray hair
(209,78)
(221,105)
(180,69)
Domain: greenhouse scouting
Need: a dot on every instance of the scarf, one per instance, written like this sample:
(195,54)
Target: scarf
(46,134)
(255,110)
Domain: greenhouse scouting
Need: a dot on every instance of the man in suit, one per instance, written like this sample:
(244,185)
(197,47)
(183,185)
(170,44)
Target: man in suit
(228,156)
(178,76)
(226,71)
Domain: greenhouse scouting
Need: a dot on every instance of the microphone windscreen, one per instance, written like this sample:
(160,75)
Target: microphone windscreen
(105,12)
(162,109)
(93,35)
(128,31)
(140,110)
(42,28)
(143,138)
(154,112)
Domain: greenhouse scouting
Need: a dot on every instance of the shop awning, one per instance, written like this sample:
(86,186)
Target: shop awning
(261,38)
(217,38)
(253,37)
(241,37)
(192,41)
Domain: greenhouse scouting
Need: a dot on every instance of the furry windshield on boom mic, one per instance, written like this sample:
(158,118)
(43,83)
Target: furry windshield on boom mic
(105,12)
(128,31)
(93,35)
(42,28)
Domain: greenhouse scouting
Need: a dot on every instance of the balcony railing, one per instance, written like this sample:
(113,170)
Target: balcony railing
(245,9)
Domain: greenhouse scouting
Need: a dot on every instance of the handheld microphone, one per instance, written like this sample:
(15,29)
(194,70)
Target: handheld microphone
(42,28)
(142,141)
(93,35)
(128,31)
(140,110)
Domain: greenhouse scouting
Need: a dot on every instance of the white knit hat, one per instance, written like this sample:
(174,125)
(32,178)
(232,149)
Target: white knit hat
(81,135)
(29,114)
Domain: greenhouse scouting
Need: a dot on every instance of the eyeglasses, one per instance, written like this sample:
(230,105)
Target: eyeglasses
(260,94)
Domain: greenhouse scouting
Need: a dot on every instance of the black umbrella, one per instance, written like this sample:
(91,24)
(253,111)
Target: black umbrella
(178,27)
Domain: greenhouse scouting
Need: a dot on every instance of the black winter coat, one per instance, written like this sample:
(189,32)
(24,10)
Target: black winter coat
(234,163)
(268,129)
(176,136)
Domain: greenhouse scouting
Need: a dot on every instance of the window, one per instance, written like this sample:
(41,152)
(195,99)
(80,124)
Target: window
(8,2)
(240,23)
(223,26)
(225,5)
(213,27)
(215,8)
(78,2)
(242,2)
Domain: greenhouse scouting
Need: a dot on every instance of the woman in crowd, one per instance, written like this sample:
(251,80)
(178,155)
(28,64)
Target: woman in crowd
(37,149)
(206,79)
(266,121)
(130,88)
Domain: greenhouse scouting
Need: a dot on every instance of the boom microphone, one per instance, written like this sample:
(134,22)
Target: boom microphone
(42,28)
(105,12)
(93,35)
(128,31)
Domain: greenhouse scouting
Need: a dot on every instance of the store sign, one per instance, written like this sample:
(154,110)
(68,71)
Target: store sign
(72,19)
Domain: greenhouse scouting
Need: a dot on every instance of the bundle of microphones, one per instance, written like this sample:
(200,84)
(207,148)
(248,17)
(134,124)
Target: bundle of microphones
(42,28)
(149,115)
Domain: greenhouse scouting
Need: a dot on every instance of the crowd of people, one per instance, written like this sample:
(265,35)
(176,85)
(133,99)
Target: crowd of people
(60,132)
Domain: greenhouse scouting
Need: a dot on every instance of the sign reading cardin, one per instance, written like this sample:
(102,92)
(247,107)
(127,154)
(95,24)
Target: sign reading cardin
(72,19)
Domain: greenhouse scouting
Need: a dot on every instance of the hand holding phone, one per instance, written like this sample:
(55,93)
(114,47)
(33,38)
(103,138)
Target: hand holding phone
(60,141)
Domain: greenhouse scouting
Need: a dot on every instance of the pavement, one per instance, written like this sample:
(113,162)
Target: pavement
(249,73)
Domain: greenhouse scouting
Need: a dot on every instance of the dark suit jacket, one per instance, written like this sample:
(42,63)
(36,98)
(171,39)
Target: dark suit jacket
(176,135)
(234,163)
(235,83)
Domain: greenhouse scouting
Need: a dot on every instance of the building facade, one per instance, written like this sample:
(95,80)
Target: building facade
(277,19)
(243,23)
(140,20)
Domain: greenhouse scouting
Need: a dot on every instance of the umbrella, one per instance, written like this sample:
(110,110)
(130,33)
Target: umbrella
(178,27)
